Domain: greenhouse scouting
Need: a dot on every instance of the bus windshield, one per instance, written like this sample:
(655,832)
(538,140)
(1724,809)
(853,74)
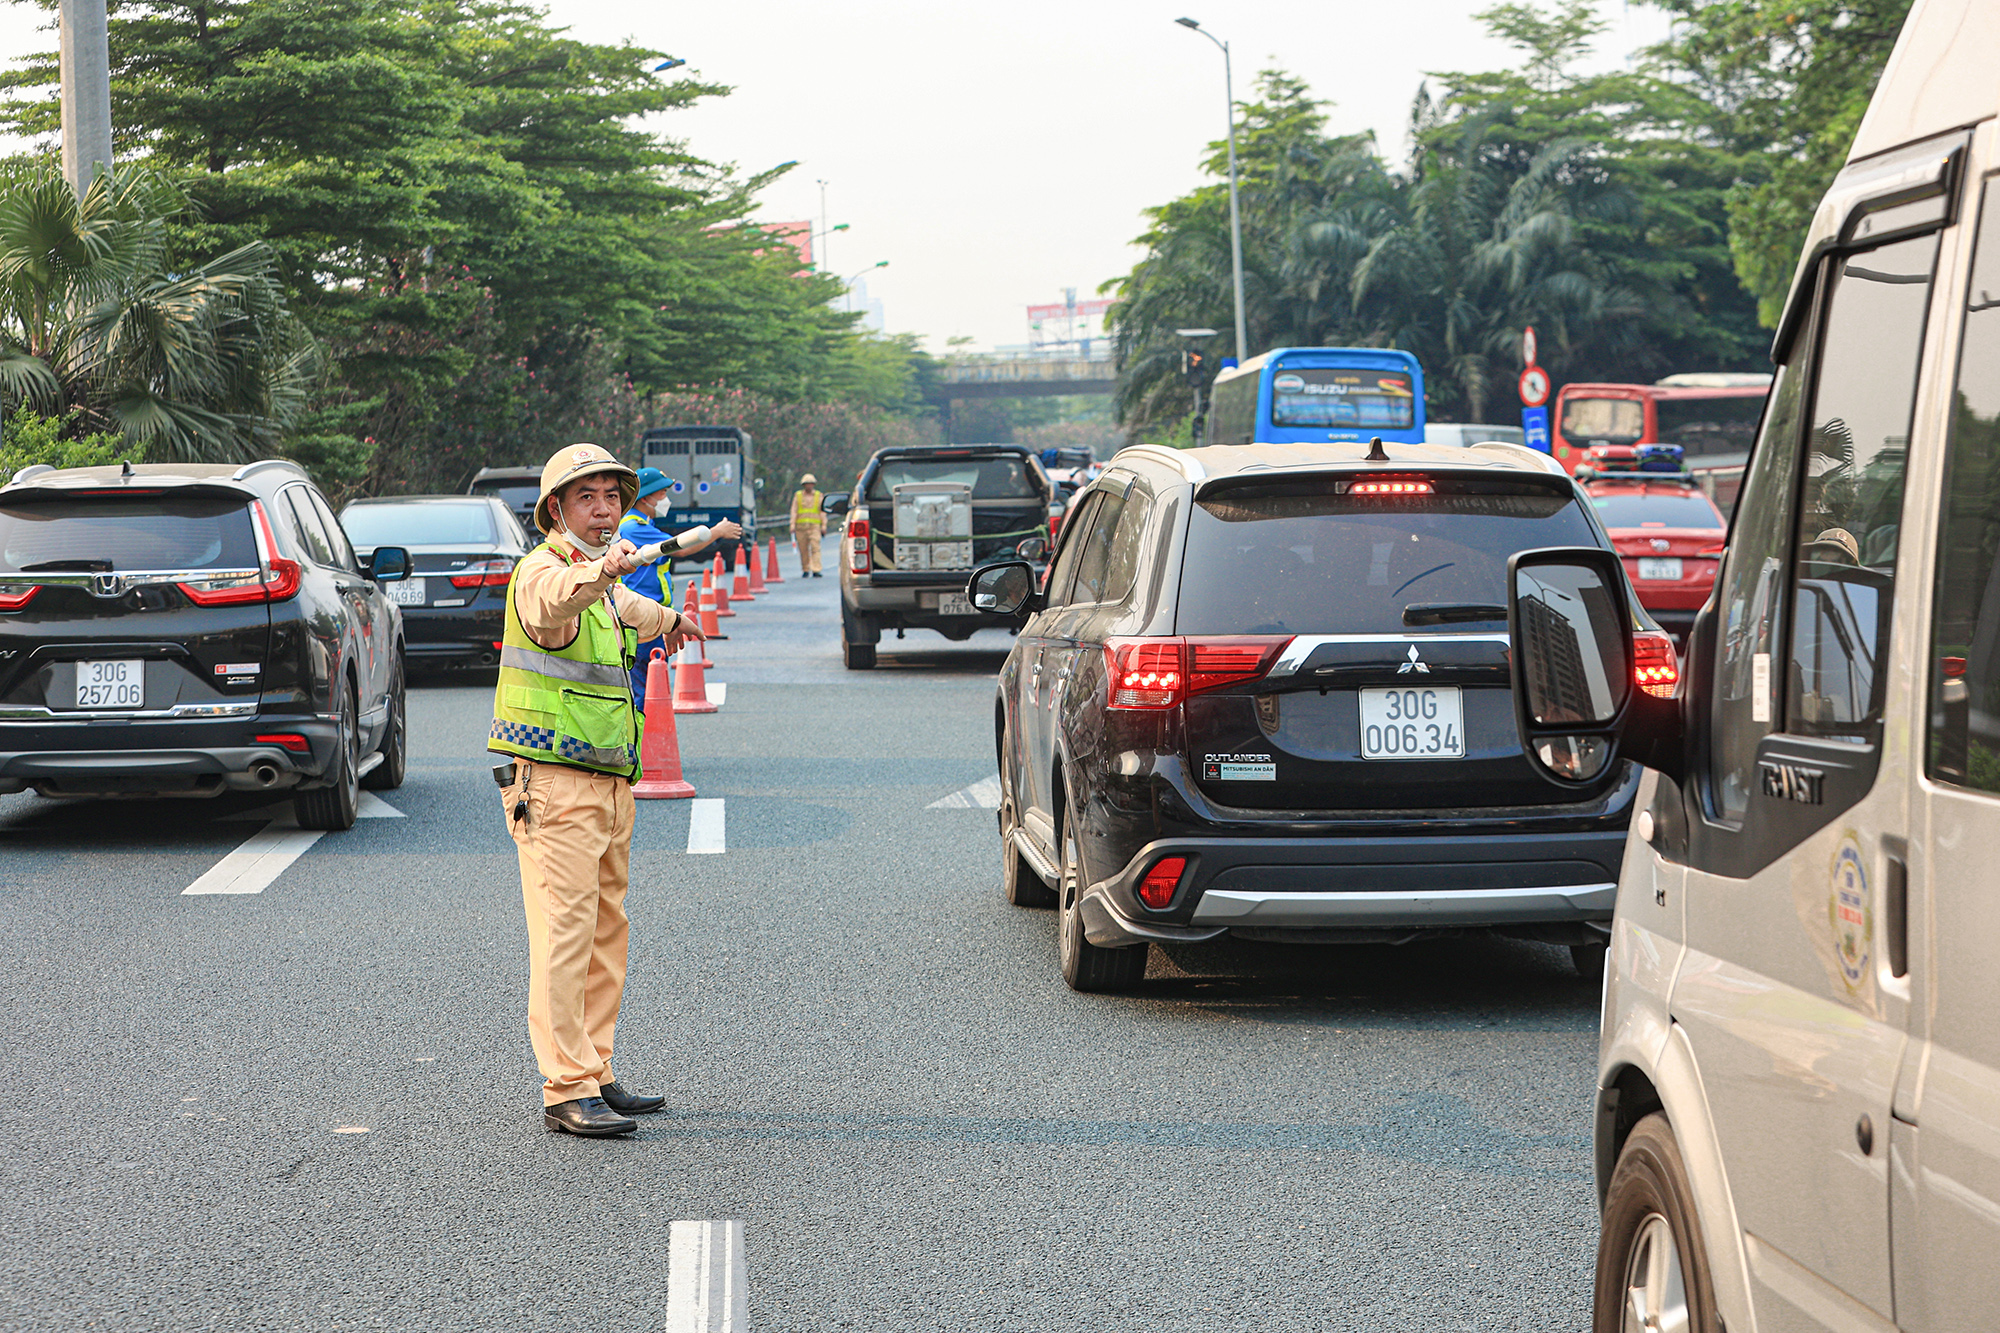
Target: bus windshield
(1603,421)
(1335,396)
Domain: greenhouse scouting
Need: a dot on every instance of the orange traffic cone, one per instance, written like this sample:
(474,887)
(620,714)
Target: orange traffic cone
(739,590)
(690,685)
(659,748)
(771,574)
(708,613)
(721,594)
(756,571)
(693,612)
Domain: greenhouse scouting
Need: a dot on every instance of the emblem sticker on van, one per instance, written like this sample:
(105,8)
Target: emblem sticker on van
(1848,909)
(1238,768)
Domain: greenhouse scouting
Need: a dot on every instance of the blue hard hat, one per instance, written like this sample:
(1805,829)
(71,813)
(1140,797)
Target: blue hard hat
(651,482)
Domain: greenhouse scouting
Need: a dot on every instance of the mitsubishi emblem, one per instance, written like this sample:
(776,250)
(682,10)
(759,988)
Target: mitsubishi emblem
(1413,663)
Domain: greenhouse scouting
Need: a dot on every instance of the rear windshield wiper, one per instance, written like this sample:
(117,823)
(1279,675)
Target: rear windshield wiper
(1451,613)
(64,566)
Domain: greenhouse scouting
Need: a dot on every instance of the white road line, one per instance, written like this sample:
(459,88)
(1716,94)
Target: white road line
(718,692)
(705,833)
(372,807)
(981,795)
(706,1291)
(252,867)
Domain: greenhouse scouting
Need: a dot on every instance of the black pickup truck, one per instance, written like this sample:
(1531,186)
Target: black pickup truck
(1010,497)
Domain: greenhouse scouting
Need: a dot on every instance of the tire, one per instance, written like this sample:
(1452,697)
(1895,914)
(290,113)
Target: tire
(1588,959)
(1085,967)
(1018,880)
(388,775)
(1651,1263)
(860,656)
(334,807)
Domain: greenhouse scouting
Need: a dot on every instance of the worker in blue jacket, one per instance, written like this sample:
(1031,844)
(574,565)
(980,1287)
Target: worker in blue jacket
(656,582)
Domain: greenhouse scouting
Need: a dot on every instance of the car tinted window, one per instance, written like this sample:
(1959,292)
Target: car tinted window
(130,534)
(343,552)
(1851,507)
(1965,619)
(1287,560)
(305,522)
(442,524)
(989,478)
(1095,556)
(1074,536)
(1687,510)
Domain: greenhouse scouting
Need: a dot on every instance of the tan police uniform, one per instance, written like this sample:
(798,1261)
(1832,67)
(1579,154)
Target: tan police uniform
(807,523)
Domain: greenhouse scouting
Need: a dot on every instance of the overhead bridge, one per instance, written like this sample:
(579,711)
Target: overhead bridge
(1020,375)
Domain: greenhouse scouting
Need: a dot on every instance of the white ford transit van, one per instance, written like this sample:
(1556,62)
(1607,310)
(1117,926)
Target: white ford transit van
(1798,1117)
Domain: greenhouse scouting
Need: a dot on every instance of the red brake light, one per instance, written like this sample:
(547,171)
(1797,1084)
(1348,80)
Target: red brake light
(1144,674)
(1655,666)
(275,580)
(857,544)
(484,574)
(1157,888)
(1214,663)
(1391,488)
(1952,667)
(14,596)
(292,741)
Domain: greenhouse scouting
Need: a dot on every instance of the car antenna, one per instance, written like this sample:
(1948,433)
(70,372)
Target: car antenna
(124,467)
(1376,454)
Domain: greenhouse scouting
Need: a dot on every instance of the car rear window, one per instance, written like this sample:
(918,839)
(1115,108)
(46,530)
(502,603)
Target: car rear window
(515,494)
(989,478)
(1291,560)
(442,524)
(125,534)
(1672,511)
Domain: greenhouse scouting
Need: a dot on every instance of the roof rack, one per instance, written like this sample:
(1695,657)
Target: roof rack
(251,469)
(33,470)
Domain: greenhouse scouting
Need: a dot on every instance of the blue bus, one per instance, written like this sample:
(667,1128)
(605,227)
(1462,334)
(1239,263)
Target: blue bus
(1292,395)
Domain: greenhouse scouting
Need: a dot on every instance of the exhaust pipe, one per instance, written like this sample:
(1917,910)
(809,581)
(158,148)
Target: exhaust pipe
(264,772)
(489,659)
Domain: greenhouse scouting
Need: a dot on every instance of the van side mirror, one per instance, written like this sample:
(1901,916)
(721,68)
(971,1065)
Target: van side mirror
(833,506)
(1573,663)
(1032,548)
(389,564)
(1003,589)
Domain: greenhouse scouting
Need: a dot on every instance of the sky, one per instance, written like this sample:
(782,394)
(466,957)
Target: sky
(996,154)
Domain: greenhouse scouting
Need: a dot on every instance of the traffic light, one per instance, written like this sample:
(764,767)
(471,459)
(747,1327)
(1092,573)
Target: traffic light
(1193,366)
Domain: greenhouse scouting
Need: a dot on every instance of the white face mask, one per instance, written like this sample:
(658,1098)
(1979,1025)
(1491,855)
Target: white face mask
(591,549)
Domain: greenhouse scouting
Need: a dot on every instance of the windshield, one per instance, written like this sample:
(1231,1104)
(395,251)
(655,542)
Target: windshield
(1688,509)
(1603,421)
(1311,562)
(448,522)
(126,533)
(1335,396)
(1000,478)
(1709,425)
(516,494)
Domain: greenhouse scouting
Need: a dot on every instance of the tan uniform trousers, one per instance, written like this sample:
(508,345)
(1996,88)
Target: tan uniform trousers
(807,537)
(576,848)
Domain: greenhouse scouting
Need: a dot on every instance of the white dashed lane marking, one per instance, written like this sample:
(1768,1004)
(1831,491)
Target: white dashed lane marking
(270,851)
(705,832)
(706,1291)
(981,795)
(718,692)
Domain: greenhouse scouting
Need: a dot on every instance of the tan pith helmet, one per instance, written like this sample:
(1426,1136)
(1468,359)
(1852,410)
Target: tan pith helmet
(808,480)
(574,461)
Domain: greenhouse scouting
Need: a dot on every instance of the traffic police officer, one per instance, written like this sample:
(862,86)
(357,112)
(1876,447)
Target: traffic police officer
(806,521)
(563,712)
(655,581)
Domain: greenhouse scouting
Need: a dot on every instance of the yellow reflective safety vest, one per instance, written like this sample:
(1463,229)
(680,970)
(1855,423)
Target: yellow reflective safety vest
(570,705)
(805,509)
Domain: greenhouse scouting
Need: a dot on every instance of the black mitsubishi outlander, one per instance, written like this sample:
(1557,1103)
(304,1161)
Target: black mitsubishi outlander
(191,629)
(1264,692)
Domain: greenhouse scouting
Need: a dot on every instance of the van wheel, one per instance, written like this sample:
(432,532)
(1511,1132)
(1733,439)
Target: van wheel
(860,656)
(1085,966)
(1588,960)
(1652,1269)
(388,775)
(1018,880)
(334,807)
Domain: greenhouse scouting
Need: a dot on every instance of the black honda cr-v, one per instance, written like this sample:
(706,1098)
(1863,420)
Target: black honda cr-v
(191,629)
(1264,692)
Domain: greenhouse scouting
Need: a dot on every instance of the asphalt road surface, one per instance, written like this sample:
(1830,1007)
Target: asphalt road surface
(313,1106)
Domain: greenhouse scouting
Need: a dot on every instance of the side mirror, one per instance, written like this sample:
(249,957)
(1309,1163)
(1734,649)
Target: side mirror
(1032,548)
(1569,620)
(833,506)
(757,485)
(1004,589)
(389,564)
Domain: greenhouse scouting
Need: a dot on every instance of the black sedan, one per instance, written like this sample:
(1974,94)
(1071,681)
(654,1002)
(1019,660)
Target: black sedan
(463,550)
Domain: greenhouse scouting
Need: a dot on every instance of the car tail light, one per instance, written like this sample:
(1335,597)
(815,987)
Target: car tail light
(484,574)
(1952,667)
(275,580)
(292,741)
(1144,674)
(1214,663)
(1157,888)
(14,596)
(1399,486)
(857,544)
(1654,664)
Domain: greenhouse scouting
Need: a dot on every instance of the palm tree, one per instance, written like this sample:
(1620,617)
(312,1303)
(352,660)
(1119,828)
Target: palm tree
(202,365)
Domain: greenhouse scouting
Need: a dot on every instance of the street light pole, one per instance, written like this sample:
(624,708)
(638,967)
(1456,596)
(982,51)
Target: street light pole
(847,286)
(86,92)
(1235,215)
(826,240)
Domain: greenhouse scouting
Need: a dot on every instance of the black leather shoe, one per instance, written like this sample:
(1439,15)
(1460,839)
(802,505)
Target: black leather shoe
(588,1116)
(629,1103)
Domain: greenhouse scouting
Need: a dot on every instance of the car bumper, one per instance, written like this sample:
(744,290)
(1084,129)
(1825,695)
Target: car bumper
(121,757)
(453,635)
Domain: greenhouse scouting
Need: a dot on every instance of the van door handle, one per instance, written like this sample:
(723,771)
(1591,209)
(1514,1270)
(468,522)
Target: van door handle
(1896,905)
